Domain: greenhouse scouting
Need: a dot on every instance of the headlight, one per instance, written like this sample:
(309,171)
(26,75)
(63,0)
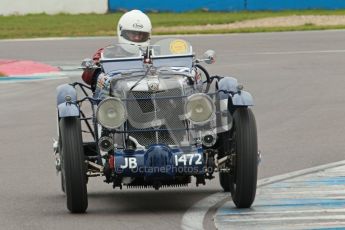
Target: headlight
(199,108)
(111,113)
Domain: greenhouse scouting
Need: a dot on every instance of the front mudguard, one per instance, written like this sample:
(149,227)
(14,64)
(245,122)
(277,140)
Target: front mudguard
(231,96)
(68,110)
(242,98)
(66,97)
(239,97)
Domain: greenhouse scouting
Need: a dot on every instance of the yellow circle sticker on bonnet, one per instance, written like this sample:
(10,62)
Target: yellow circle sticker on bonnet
(178,46)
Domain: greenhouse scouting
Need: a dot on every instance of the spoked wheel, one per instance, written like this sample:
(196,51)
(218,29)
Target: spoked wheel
(244,135)
(73,170)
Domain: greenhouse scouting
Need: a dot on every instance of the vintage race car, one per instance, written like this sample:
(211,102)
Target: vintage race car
(156,119)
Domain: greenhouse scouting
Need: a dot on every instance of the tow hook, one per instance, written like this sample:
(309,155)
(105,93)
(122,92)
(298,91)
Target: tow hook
(95,169)
(222,160)
(220,163)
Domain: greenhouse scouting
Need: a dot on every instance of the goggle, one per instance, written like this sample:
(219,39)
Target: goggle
(135,36)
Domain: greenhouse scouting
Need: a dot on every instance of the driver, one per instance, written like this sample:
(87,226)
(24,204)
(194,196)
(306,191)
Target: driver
(134,27)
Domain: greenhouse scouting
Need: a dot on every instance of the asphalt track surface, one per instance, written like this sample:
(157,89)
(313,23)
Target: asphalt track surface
(297,80)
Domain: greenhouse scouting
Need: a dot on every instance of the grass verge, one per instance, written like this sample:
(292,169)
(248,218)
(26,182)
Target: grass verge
(64,25)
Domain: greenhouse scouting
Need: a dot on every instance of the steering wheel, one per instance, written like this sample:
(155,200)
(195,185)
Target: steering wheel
(208,79)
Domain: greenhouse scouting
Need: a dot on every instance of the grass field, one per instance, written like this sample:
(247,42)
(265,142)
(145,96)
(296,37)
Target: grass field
(62,25)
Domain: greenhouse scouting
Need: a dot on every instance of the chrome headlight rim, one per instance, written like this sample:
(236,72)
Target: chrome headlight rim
(117,100)
(211,103)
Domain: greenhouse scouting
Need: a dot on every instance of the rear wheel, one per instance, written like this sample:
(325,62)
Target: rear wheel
(73,166)
(243,187)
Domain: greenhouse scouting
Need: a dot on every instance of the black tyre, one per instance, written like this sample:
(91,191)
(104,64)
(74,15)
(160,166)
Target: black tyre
(243,188)
(73,166)
(62,183)
(225,180)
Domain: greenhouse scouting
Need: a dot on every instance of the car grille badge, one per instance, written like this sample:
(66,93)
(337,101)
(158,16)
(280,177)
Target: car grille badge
(153,84)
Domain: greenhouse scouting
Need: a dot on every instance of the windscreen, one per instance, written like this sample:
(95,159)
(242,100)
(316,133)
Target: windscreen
(121,51)
(121,57)
(171,47)
(172,52)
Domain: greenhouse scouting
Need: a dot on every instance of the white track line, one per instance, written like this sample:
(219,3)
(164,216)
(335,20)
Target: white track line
(281,219)
(171,35)
(194,217)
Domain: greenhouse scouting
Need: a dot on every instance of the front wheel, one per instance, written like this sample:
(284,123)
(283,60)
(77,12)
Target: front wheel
(73,166)
(243,188)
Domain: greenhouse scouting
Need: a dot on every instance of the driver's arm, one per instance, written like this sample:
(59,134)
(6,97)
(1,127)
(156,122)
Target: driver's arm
(90,75)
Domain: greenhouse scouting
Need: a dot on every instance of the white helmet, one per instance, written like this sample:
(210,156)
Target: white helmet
(134,27)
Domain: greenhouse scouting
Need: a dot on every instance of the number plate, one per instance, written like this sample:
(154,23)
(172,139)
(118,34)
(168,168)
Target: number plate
(188,159)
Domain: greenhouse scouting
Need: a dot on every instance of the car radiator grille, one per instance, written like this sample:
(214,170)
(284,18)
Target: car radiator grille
(149,111)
